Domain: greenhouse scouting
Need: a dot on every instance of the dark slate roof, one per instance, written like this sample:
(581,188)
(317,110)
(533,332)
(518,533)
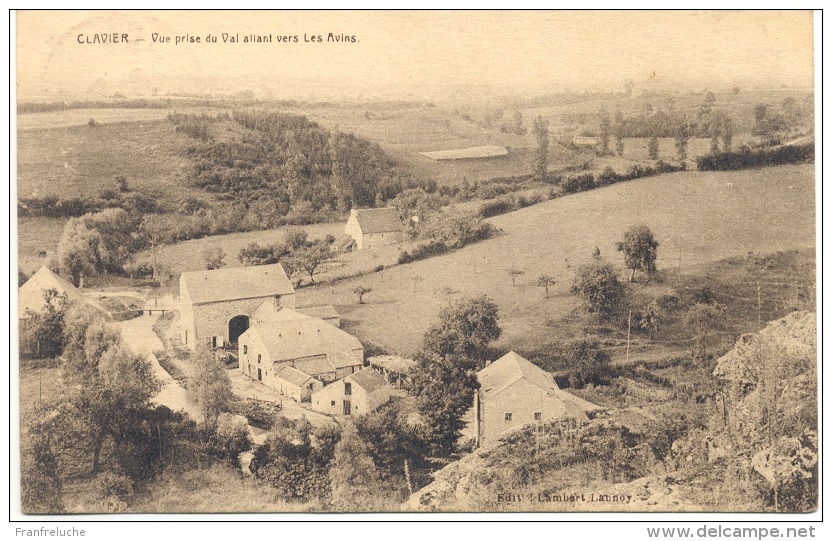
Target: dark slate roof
(237,283)
(383,220)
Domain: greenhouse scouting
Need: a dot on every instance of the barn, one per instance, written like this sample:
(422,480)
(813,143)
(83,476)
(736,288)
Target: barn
(215,305)
(514,392)
(372,228)
(356,394)
(307,344)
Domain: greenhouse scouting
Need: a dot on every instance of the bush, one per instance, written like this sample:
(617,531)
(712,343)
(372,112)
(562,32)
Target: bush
(746,158)
(598,285)
(423,251)
(227,438)
(578,183)
(497,207)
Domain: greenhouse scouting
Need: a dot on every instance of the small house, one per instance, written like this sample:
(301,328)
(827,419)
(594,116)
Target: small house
(295,384)
(514,392)
(357,394)
(372,228)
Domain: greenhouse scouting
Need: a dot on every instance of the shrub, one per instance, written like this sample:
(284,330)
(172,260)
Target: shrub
(746,158)
(423,251)
(497,207)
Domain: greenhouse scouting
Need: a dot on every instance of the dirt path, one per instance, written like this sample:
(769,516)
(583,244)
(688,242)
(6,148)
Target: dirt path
(139,337)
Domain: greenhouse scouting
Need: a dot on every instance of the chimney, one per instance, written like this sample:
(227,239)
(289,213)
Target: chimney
(488,363)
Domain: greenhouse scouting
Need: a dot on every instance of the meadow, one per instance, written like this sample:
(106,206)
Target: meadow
(697,217)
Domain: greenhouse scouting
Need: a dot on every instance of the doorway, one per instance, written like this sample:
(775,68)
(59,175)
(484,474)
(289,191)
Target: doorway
(259,375)
(347,407)
(237,325)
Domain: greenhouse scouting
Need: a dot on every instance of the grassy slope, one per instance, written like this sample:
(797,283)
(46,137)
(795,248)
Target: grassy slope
(80,161)
(696,212)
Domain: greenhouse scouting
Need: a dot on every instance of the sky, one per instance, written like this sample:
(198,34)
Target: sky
(409,54)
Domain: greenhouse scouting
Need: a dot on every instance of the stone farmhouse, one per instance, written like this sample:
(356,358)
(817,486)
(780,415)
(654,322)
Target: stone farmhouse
(514,392)
(372,228)
(307,344)
(357,394)
(215,305)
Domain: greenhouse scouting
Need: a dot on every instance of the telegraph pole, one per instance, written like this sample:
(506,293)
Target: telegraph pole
(759,305)
(629,323)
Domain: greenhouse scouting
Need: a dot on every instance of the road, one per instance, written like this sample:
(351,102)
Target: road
(139,337)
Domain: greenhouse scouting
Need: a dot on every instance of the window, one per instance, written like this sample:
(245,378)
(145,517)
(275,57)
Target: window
(538,415)
(259,357)
(332,402)
(508,416)
(310,386)
(348,389)
(245,349)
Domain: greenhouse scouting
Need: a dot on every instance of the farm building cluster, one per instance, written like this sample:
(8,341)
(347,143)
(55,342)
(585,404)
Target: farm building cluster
(301,353)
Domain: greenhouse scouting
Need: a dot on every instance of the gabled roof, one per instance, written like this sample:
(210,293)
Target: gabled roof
(307,337)
(293,376)
(319,364)
(269,313)
(511,368)
(30,294)
(383,220)
(324,312)
(368,379)
(237,283)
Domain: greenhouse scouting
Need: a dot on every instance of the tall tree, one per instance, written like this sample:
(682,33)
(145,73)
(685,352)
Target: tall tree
(518,123)
(355,483)
(640,250)
(604,134)
(444,388)
(210,386)
(598,286)
(653,148)
(618,131)
(541,133)
(464,329)
(727,133)
(681,137)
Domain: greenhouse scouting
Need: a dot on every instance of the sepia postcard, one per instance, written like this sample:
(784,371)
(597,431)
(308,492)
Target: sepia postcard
(415,262)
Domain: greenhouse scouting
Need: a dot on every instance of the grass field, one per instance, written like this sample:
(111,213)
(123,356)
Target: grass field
(697,216)
(81,160)
(34,235)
